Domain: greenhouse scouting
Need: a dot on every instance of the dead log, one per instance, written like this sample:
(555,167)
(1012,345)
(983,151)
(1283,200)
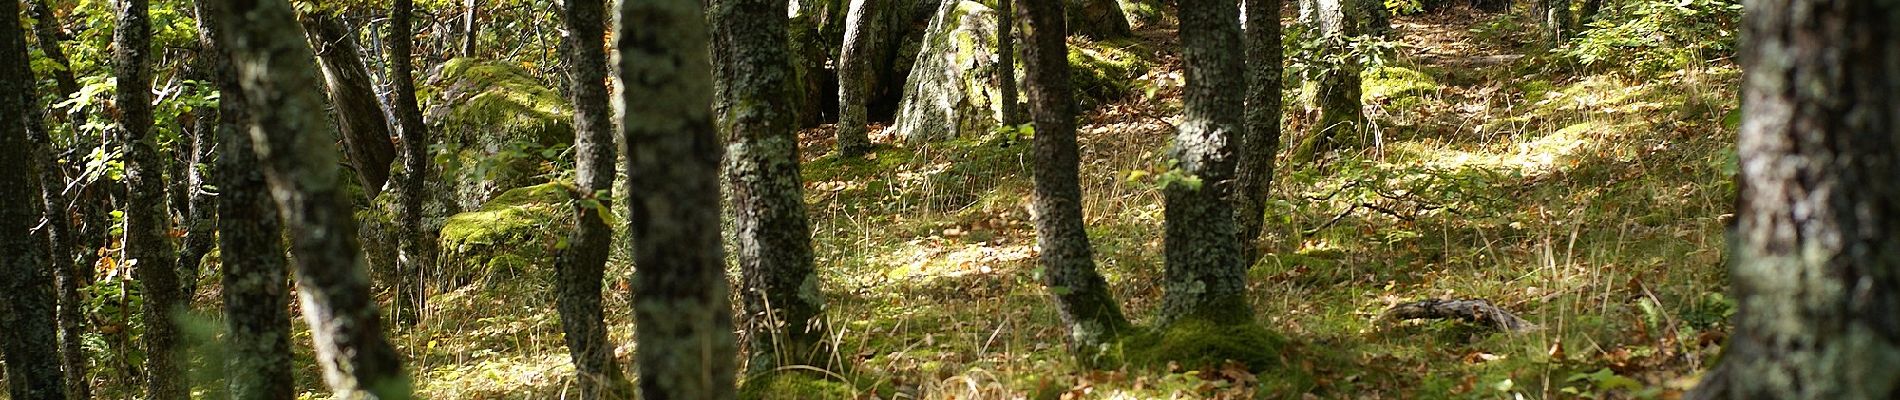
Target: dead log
(1475,311)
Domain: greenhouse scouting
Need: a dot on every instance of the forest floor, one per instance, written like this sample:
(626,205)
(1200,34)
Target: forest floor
(1591,203)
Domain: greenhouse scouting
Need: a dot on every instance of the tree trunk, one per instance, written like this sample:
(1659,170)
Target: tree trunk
(292,143)
(199,212)
(60,255)
(416,249)
(1261,139)
(1816,262)
(682,318)
(860,36)
(1553,18)
(46,30)
(468,23)
(1006,59)
(1068,263)
(365,128)
(579,268)
(1096,19)
(1342,116)
(784,310)
(1204,277)
(148,246)
(256,286)
(28,342)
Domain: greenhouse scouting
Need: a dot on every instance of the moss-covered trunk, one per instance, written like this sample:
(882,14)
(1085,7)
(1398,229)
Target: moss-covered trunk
(292,143)
(682,318)
(1082,296)
(783,309)
(580,267)
(860,37)
(1342,117)
(147,220)
(1815,258)
(1261,139)
(1204,277)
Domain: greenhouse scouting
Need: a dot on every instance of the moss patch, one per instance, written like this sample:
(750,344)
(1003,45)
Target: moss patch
(1106,70)
(500,128)
(1199,344)
(1395,85)
(517,231)
(795,385)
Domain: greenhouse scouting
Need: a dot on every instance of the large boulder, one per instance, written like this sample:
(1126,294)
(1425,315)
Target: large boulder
(513,234)
(953,87)
(499,127)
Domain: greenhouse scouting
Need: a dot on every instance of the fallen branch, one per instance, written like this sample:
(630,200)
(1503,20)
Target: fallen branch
(1476,311)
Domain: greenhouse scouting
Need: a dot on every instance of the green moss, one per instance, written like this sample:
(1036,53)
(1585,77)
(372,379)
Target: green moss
(515,232)
(1396,85)
(504,98)
(795,385)
(1106,70)
(1198,343)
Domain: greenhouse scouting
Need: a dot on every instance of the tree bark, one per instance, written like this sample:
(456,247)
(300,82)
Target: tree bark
(199,211)
(1342,116)
(46,31)
(860,36)
(470,34)
(1261,139)
(256,287)
(1553,17)
(61,256)
(416,249)
(1006,59)
(580,267)
(148,247)
(28,342)
(682,318)
(365,128)
(1204,277)
(1068,263)
(291,141)
(784,310)
(1815,261)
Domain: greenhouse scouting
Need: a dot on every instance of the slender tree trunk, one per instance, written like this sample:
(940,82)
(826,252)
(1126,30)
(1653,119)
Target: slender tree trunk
(682,318)
(256,286)
(1262,135)
(199,211)
(147,222)
(1068,263)
(416,249)
(468,23)
(579,268)
(28,342)
(1553,17)
(68,276)
(46,30)
(1342,116)
(853,77)
(1204,277)
(1815,259)
(365,127)
(291,141)
(1006,60)
(784,310)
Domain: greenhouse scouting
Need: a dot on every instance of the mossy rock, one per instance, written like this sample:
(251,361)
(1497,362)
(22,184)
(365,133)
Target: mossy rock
(515,233)
(1198,343)
(954,86)
(1398,86)
(500,128)
(795,385)
(1104,71)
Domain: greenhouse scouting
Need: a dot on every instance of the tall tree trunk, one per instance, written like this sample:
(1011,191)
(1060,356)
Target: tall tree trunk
(784,310)
(292,142)
(579,268)
(1261,139)
(199,211)
(148,244)
(860,36)
(1006,60)
(68,276)
(256,287)
(1815,258)
(28,342)
(415,250)
(46,30)
(1204,277)
(365,128)
(1068,263)
(1553,17)
(682,318)
(1342,116)
(470,33)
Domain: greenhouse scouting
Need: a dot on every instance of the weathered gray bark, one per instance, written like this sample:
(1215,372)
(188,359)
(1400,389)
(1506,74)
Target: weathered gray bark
(292,143)
(1097,19)
(1553,17)
(682,318)
(860,36)
(579,267)
(1261,139)
(783,308)
(1204,277)
(364,127)
(470,32)
(1815,260)
(1068,263)
(1006,59)
(256,286)
(416,248)
(46,31)
(199,211)
(1342,116)
(28,342)
(148,246)
(68,276)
